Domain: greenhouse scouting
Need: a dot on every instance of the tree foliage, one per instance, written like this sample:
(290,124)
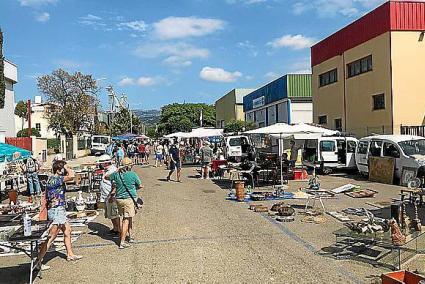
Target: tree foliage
(73,100)
(238,126)
(2,80)
(185,117)
(122,123)
(21,109)
(24,133)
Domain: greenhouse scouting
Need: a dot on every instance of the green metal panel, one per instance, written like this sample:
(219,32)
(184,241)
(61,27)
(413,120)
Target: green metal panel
(299,85)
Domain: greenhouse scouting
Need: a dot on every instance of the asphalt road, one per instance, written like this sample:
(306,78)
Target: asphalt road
(189,233)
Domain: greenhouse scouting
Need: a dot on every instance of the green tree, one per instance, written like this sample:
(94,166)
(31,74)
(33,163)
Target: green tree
(184,117)
(151,132)
(24,132)
(122,123)
(2,80)
(238,126)
(21,110)
(73,101)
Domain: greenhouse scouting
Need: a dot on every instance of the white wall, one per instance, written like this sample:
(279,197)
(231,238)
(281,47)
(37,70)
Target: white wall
(7,119)
(36,117)
(302,112)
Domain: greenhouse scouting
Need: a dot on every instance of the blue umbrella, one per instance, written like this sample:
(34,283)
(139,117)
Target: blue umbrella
(8,151)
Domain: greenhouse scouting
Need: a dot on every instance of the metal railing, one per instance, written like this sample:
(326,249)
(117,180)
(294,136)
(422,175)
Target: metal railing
(413,130)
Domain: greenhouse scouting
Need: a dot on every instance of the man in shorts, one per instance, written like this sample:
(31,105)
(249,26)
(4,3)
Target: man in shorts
(159,155)
(142,153)
(175,162)
(125,191)
(110,203)
(206,158)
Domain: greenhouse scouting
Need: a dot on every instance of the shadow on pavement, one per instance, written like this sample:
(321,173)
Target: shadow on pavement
(101,230)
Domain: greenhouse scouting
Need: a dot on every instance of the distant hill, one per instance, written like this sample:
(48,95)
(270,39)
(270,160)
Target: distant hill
(149,117)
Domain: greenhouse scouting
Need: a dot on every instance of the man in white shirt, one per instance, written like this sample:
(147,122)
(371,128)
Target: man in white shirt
(110,204)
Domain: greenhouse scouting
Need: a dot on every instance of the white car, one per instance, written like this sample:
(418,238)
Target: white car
(237,147)
(99,144)
(408,152)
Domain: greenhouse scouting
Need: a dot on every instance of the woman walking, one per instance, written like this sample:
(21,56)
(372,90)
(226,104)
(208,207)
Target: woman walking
(55,195)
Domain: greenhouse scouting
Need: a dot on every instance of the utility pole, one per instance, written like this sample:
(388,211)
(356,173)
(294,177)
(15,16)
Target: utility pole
(29,117)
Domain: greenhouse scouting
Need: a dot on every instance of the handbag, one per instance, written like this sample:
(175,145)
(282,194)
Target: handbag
(137,203)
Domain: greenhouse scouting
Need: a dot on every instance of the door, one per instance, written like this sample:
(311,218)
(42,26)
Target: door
(69,149)
(328,153)
(390,150)
(361,156)
(351,150)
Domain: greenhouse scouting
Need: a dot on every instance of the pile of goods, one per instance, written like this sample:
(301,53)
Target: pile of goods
(370,225)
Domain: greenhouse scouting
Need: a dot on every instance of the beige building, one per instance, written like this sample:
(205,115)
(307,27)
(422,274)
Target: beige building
(230,107)
(369,77)
(38,119)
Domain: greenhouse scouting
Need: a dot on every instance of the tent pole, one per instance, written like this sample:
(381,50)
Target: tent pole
(280,152)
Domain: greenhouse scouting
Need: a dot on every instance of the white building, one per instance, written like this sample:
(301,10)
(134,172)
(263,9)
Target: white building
(7,120)
(38,119)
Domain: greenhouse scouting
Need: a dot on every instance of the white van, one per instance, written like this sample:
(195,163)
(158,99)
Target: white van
(329,153)
(408,151)
(99,144)
(237,147)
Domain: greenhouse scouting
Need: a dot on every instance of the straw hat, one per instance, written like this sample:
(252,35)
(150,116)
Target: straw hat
(127,161)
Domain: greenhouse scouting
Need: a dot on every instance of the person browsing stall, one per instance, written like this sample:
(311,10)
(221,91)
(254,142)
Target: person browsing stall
(110,203)
(206,157)
(31,168)
(175,162)
(55,195)
(125,192)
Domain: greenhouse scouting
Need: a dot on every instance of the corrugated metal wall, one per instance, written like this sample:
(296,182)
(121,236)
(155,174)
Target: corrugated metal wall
(299,86)
(273,91)
(391,16)
(408,16)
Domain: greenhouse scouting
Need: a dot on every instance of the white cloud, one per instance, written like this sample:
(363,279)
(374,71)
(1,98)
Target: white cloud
(331,8)
(219,75)
(177,52)
(249,47)
(183,27)
(177,61)
(303,71)
(139,26)
(148,81)
(127,81)
(70,64)
(42,17)
(91,17)
(33,3)
(292,41)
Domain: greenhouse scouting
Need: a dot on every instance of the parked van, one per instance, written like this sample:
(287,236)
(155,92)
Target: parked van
(99,144)
(408,151)
(237,147)
(329,153)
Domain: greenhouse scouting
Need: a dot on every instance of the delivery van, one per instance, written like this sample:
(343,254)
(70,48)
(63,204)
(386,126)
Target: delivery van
(408,152)
(237,148)
(99,144)
(329,153)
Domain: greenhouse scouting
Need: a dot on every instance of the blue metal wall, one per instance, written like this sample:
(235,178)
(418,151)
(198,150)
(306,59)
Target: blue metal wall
(272,92)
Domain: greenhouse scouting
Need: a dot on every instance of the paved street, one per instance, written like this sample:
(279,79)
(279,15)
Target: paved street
(189,233)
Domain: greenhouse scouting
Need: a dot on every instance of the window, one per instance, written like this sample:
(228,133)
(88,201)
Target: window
(323,119)
(328,78)
(378,102)
(390,150)
(375,148)
(360,66)
(338,124)
(351,146)
(362,148)
(38,127)
(327,146)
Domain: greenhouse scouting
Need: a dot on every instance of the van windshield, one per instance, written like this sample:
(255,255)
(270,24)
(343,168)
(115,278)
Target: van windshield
(413,147)
(235,142)
(100,140)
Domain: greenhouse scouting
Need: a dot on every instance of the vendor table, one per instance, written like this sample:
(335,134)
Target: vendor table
(39,229)
(383,240)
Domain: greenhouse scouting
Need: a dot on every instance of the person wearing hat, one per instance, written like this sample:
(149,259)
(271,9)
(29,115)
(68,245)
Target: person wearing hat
(125,192)
(206,158)
(110,203)
(55,195)
(31,168)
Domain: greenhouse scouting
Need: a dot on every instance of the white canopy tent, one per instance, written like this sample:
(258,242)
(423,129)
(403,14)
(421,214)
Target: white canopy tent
(205,133)
(299,131)
(177,135)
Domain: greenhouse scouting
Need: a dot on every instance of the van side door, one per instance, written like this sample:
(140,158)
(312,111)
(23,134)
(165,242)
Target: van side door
(329,152)
(361,156)
(390,150)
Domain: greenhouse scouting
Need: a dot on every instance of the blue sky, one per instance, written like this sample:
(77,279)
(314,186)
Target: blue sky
(165,51)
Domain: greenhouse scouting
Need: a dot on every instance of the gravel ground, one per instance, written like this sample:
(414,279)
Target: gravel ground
(189,233)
